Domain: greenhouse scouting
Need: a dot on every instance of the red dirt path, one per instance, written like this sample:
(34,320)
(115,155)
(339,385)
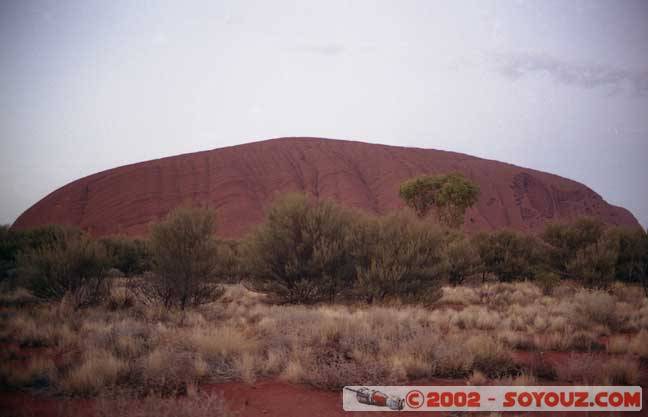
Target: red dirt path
(263,399)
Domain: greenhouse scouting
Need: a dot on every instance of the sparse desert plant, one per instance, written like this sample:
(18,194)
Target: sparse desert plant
(580,369)
(620,371)
(459,295)
(130,256)
(524,378)
(195,404)
(491,357)
(594,307)
(19,297)
(70,265)
(185,259)
(98,370)
(639,344)
(39,372)
(477,378)
(618,344)
(540,366)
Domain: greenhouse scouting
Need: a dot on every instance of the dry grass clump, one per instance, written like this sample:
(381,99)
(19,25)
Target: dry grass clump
(459,295)
(476,317)
(195,404)
(98,370)
(618,344)
(477,378)
(539,366)
(639,344)
(19,298)
(516,340)
(522,379)
(594,307)
(591,370)
(39,372)
(490,357)
(621,371)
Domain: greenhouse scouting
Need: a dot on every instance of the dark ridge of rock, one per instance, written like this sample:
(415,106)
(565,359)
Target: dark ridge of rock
(240,182)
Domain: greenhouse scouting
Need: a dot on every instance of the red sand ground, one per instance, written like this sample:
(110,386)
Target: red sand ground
(241,181)
(263,399)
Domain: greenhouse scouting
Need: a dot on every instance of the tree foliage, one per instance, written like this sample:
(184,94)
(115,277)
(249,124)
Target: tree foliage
(449,195)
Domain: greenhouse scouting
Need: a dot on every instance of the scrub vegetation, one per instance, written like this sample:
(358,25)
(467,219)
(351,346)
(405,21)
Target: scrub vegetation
(318,295)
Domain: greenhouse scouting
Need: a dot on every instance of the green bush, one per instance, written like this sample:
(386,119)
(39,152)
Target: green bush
(69,264)
(399,257)
(300,254)
(185,258)
(508,255)
(462,259)
(129,256)
(632,263)
(13,242)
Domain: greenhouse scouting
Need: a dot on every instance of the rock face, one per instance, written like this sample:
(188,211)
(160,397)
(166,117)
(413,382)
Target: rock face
(240,182)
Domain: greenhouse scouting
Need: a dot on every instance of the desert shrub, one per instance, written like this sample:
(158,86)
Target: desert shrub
(98,370)
(639,344)
(130,256)
(594,265)
(580,369)
(400,257)
(594,307)
(300,254)
(9,245)
(508,255)
(618,344)
(39,372)
(13,243)
(584,250)
(491,357)
(539,366)
(459,295)
(18,297)
(547,281)
(462,259)
(477,378)
(328,368)
(620,371)
(70,265)
(185,258)
(229,268)
(632,261)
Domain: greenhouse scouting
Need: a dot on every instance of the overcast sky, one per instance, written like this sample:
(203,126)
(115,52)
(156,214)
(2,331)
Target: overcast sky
(559,86)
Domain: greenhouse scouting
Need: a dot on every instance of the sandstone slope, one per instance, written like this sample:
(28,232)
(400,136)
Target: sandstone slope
(241,181)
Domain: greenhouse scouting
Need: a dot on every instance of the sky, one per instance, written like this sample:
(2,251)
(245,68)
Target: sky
(558,86)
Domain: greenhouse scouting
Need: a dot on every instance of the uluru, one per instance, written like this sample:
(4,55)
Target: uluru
(240,182)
